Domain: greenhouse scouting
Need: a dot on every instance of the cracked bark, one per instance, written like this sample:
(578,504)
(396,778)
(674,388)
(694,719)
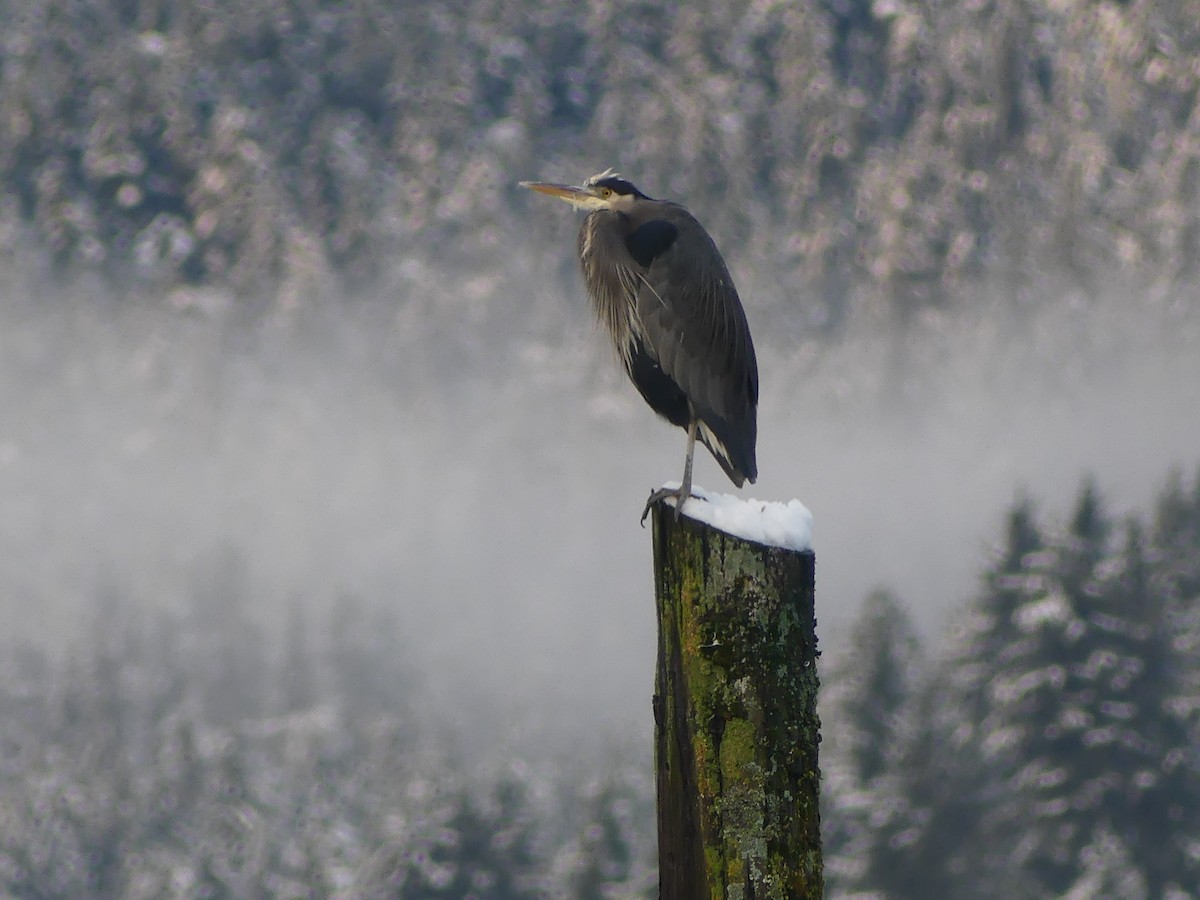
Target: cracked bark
(736,727)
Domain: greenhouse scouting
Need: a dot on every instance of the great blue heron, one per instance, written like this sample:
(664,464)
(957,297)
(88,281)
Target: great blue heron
(660,286)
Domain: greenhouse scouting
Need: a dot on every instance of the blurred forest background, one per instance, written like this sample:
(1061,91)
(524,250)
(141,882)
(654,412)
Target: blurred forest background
(887,149)
(201,201)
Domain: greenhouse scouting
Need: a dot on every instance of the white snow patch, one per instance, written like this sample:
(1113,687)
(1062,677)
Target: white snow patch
(1054,608)
(787,525)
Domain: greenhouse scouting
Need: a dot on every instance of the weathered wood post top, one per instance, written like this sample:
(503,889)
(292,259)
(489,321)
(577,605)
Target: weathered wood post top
(735,704)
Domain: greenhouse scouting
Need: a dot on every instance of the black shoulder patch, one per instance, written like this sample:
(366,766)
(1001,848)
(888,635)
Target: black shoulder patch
(651,240)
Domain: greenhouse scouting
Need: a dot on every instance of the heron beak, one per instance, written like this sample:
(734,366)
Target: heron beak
(579,197)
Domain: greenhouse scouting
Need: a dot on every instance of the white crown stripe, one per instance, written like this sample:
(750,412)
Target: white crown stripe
(607,173)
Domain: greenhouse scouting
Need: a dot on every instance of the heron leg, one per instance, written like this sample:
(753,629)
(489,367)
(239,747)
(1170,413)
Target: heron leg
(684,490)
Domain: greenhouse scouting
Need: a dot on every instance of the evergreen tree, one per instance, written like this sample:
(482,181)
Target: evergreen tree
(866,695)
(930,808)
(1051,753)
(252,143)
(1069,732)
(607,858)
(987,628)
(872,685)
(1140,763)
(1042,698)
(1107,870)
(458,863)
(1175,556)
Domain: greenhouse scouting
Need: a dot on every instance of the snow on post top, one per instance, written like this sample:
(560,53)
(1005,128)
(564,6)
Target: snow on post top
(787,525)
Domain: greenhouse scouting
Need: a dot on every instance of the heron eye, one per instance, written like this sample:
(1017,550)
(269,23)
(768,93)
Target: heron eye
(606,193)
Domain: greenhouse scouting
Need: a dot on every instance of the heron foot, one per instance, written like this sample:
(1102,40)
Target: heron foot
(663,494)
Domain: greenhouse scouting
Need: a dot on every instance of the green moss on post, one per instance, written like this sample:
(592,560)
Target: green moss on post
(735,710)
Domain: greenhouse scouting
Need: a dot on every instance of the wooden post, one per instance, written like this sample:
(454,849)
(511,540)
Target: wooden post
(735,712)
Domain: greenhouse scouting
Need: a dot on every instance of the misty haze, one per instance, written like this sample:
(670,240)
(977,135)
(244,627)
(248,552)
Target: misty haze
(488,485)
(320,565)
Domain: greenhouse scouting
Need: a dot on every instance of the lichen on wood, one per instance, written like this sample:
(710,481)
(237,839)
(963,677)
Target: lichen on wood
(736,728)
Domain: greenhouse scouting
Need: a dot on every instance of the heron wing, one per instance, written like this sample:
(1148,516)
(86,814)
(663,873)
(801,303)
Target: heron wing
(657,388)
(693,325)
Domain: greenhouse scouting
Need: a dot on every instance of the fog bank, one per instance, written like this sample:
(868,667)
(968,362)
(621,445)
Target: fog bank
(485,474)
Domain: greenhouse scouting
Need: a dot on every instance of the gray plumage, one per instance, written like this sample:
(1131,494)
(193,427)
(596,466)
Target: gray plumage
(662,290)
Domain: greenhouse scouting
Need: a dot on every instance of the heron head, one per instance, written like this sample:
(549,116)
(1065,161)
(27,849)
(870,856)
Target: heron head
(607,190)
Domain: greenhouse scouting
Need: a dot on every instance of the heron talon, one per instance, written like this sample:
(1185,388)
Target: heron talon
(655,496)
(663,494)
